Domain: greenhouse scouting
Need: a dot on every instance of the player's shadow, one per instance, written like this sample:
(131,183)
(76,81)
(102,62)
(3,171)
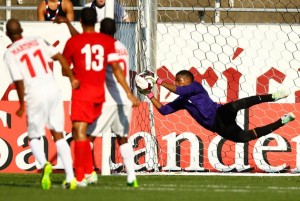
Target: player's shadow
(21,185)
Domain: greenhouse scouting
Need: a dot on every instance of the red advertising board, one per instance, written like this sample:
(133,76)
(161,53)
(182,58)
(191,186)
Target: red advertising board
(179,143)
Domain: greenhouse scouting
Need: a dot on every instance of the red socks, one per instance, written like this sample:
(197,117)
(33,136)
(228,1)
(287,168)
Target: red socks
(79,151)
(83,159)
(89,165)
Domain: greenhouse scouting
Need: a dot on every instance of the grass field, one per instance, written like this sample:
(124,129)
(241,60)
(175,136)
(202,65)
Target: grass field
(18,187)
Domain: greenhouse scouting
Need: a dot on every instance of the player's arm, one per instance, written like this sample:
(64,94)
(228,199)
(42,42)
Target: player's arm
(165,109)
(68,8)
(66,69)
(61,19)
(41,9)
(169,86)
(154,101)
(19,84)
(191,88)
(119,74)
(14,69)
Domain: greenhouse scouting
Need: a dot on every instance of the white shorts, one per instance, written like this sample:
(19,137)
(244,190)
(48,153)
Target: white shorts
(113,119)
(44,109)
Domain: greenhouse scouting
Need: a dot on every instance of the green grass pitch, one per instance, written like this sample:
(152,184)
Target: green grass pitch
(20,187)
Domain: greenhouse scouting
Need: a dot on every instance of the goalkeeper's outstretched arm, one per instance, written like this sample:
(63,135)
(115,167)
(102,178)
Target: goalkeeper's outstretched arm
(155,79)
(155,102)
(172,106)
(167,108)
(170,87)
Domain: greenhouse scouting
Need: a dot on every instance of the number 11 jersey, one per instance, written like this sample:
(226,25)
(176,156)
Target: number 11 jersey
(27,59)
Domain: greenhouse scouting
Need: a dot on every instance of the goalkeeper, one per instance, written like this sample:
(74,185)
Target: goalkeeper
(215,117)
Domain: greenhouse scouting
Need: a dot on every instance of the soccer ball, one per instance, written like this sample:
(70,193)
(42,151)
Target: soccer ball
(143,85)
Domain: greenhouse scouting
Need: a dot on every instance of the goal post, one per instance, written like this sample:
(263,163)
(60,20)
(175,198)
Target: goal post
(140,39)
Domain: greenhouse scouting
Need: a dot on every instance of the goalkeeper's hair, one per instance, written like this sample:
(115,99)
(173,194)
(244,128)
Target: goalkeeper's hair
(108,26)
(186,73)
(88,16)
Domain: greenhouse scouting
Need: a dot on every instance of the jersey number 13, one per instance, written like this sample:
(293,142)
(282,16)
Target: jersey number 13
(94,57)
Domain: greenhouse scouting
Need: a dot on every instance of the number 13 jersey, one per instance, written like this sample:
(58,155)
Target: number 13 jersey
(90,53)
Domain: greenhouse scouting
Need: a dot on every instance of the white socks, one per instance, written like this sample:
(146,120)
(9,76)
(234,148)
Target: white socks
(128,159)
(37,149)
(64,151)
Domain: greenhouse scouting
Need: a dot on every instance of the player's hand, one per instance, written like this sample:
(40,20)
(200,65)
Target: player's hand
(144,92)
(151,76)
(135,101)
(147,93)
(20,111)
(60,19)
(75,84)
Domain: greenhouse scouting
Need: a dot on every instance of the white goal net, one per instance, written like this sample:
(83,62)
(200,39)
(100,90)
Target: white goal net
(235,49)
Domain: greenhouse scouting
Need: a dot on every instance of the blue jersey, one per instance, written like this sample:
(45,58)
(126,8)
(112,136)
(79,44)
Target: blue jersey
(195,99)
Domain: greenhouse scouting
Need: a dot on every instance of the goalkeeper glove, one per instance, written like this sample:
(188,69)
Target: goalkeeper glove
(144,92)
(153,77)
(147,93)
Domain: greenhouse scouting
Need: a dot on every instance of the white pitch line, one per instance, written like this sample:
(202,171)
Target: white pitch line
(193,188)
(216,174)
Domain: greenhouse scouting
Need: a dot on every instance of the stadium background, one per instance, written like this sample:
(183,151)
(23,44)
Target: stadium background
(246,53)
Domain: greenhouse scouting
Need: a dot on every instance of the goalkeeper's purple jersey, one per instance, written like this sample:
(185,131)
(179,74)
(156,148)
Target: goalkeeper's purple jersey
(195,99)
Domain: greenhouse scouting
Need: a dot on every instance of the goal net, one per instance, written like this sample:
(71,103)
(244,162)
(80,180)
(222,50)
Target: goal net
(235,49)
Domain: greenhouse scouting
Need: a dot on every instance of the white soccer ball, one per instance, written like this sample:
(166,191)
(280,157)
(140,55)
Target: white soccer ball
(144,85)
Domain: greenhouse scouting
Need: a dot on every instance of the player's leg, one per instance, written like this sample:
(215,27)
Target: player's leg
(127,154)
(228,112)
(83,113)
(90,174)
(234,133)
(254,100)
(56,126)
(37,149)
(64,152)
(80,151)
(101,125)
(265,130)
(37,118)
(249,101)
(121,127)
(93,177)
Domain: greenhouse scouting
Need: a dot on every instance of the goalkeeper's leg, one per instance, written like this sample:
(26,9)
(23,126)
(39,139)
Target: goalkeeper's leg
(235,133)
(264,130)
(253,100)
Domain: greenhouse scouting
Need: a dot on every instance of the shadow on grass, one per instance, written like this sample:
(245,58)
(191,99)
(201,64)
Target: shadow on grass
(26,184)
(21,185)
